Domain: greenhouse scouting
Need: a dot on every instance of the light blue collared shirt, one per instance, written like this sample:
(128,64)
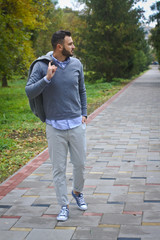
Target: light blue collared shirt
(66,123)
(61,64)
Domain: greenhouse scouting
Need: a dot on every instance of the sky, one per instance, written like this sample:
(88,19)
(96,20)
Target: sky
(66,3)
(73,4)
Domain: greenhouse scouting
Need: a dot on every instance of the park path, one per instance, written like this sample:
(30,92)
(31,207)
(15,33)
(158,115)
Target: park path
(122,177)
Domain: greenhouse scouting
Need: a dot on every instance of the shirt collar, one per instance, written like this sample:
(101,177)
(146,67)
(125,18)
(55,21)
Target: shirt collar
(61,64)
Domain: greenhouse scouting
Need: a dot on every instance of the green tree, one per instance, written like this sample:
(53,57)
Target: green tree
(58,19)
(113,38)
(18,19)
(155,37)
(41,38)
(72,21)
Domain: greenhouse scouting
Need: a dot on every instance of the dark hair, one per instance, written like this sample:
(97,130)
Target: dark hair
(58,37)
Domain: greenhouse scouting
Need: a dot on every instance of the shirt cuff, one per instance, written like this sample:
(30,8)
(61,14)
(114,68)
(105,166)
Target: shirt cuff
(46,80)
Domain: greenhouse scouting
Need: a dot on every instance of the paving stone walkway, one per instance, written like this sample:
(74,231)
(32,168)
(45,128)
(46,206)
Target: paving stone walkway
(122,177)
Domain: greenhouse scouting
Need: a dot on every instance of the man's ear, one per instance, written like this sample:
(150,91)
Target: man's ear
(59,47)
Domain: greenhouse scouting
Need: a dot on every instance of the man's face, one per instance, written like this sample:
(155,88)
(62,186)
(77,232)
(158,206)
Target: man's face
(68,47)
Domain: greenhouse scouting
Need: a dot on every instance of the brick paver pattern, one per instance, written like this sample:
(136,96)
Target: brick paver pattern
(122,177)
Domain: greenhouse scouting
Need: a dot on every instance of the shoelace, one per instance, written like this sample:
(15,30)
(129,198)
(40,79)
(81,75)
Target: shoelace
(81,199)
(64,211)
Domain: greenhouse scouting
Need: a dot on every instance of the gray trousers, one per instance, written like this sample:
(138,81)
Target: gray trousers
(59,142)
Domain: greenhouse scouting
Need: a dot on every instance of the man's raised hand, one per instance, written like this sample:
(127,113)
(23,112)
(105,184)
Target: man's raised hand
(51,71)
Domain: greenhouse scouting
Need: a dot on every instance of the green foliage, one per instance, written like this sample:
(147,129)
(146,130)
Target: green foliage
(107,36)
(156,15)
(42,38)
(117,81)
(19,19)
(62,19)
(92,77)
(155,41)
(155,37)
(113,38)
(22,135)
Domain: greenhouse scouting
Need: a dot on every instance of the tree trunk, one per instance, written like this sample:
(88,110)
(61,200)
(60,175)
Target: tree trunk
(4,82)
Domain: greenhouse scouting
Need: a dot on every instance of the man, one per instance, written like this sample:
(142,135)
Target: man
(61,84)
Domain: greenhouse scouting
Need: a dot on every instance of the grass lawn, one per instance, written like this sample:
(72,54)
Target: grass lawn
(22,135)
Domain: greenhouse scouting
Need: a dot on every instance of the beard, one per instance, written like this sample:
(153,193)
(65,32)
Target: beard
(66,53)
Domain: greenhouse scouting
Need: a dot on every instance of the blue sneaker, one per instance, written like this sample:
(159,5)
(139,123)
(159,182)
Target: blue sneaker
(80,201)
(64,214)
